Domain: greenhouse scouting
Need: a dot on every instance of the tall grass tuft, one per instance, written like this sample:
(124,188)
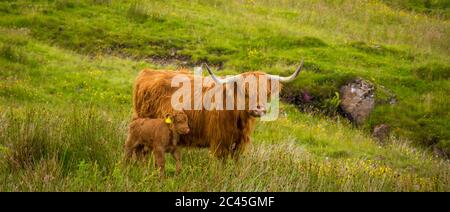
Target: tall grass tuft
(67,137)
(142,11)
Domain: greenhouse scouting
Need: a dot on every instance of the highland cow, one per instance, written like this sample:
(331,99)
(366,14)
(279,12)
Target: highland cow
(224,132)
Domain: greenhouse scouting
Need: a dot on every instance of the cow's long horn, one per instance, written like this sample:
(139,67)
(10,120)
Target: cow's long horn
(289,78)
(221,81)
(235,78)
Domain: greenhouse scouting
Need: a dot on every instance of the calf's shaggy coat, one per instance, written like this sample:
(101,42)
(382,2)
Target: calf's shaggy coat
(157,135)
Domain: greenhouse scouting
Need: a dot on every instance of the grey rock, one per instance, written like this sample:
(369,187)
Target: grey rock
(357,100)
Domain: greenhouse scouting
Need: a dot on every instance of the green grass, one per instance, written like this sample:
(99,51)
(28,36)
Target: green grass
(81,149)
(67,67)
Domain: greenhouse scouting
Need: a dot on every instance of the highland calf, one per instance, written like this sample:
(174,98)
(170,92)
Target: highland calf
(157,135)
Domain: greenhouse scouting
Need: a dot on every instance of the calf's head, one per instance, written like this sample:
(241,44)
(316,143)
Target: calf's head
(178,121)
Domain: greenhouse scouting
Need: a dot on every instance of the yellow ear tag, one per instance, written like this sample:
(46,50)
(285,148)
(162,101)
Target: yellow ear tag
(168,120)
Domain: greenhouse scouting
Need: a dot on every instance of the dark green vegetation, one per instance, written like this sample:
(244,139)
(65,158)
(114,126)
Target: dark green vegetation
(430,7)
(66,70)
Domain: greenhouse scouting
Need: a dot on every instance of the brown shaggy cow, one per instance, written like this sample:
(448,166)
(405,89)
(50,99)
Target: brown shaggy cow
(225,132)
(157,135)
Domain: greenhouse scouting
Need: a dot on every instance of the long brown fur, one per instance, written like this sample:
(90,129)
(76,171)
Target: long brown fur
(224,132)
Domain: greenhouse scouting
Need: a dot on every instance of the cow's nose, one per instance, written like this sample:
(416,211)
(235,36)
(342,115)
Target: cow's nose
(261,109)
(258,111)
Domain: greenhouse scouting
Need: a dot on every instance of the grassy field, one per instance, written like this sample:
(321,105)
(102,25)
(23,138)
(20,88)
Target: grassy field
(67,67)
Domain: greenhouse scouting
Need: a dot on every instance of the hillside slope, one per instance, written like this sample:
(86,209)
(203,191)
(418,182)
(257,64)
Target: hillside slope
(66,70)
(403,53)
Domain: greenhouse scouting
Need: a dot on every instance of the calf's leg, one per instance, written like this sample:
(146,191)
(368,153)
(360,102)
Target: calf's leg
(177,155)
(158,153)
(130,145)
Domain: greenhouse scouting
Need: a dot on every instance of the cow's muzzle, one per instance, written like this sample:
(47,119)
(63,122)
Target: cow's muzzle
(258,112)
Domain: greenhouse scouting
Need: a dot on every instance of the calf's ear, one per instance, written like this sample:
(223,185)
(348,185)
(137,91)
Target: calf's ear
(168,119)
